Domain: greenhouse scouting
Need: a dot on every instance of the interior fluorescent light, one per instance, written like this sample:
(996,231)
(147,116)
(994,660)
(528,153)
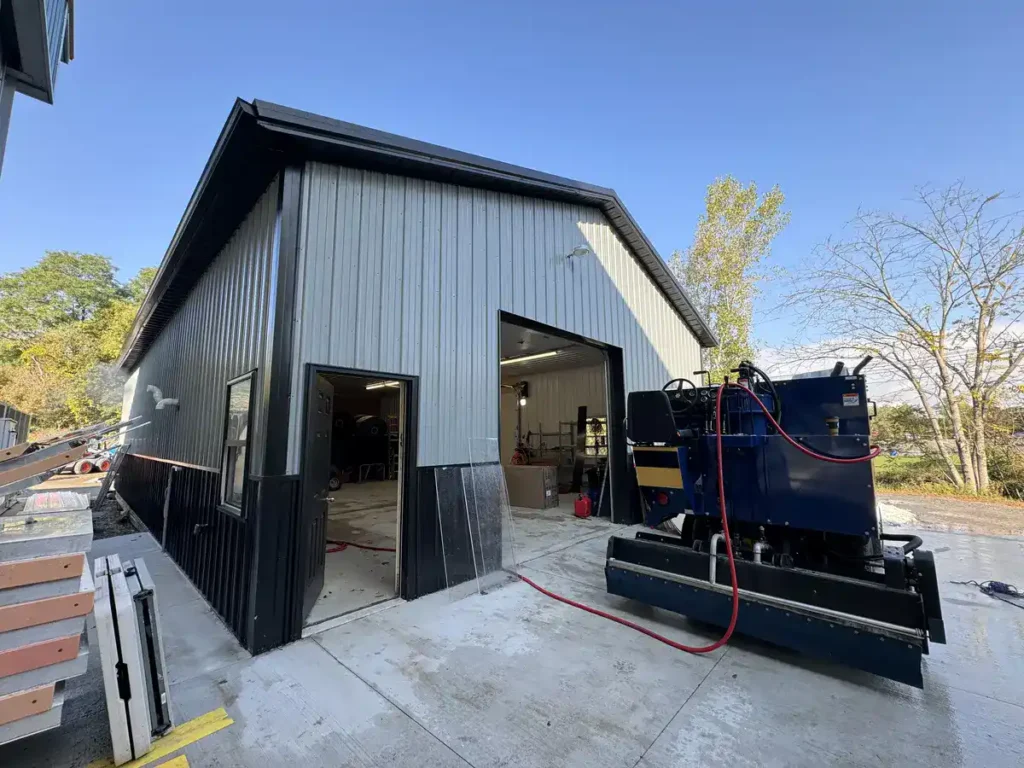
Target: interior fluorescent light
(382,384)
(524,358)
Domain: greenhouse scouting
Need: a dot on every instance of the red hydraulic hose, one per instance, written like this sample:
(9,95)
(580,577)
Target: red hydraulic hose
(875,450)
(728,550)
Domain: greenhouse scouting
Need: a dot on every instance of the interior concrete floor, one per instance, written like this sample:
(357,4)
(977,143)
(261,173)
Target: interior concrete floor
(512,678)
(362,513)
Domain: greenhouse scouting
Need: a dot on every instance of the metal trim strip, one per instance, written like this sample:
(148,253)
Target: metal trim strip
(869,625)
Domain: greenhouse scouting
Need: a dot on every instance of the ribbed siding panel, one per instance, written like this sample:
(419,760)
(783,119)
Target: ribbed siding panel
(56,25)
(212,548)
(412,274)
(217,334)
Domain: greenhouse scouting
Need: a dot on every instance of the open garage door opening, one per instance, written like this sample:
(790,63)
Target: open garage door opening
(554,439)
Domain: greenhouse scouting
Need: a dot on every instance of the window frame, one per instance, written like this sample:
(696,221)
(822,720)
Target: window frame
(222,503)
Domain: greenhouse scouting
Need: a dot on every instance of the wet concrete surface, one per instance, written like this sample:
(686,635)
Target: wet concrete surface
(512,678)
(540,531)
(363,513)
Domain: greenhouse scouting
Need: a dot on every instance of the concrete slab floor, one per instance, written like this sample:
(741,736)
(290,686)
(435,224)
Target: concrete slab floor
(363,513)
(513,678)
(539,531)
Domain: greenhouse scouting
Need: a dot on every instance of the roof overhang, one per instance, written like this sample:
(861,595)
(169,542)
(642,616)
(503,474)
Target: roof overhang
(41,36)
(261,138)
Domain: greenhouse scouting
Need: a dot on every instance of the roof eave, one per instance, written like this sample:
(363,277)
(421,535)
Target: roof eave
(169,265)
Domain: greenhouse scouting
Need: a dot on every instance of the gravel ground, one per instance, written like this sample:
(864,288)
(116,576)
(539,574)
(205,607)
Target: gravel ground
(108,520)
(937,513)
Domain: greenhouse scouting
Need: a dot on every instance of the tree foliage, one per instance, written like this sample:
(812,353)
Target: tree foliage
(903,428)
(62,325)
(62,287)
(723,267)
(938,298)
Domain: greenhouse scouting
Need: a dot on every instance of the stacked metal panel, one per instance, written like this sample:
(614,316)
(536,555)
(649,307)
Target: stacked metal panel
(46,592)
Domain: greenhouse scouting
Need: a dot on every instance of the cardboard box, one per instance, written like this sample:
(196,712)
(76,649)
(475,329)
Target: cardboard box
(535,487)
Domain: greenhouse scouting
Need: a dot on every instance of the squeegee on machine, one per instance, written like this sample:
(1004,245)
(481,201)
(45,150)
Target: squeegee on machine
(798,529)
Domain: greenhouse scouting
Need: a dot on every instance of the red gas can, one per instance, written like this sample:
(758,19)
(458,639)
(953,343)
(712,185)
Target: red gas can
(581,508)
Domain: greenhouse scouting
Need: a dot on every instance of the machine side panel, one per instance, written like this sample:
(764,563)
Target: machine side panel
(804,492)
(807,403)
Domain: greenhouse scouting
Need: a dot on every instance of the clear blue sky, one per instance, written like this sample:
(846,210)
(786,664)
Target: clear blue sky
(843,107)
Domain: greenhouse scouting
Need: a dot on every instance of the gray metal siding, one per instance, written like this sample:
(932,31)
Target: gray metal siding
(401,275)
(218,333)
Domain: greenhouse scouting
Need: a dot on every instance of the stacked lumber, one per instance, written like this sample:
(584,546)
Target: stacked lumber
(46,592)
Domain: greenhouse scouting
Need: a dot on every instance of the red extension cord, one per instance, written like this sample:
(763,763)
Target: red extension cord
(340,545)
(725,528)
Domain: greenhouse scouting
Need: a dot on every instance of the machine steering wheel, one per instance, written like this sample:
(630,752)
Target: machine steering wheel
(682,397)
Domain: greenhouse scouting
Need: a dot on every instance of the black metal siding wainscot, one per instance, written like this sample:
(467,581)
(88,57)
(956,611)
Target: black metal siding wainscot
(212,547)
(424,568)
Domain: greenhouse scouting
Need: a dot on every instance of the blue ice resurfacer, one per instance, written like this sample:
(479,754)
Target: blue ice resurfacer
(815,571)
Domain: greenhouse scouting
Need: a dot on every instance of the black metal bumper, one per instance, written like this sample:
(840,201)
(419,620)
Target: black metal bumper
(857,623)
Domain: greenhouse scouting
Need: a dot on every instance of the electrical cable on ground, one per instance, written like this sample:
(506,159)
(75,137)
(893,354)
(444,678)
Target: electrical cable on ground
(1000,590)
(875,450)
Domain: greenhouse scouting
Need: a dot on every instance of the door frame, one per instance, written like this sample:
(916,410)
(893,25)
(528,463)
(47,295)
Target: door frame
(615,397)
(408,490)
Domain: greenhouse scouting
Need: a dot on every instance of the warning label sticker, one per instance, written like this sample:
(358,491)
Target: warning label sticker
(851,398)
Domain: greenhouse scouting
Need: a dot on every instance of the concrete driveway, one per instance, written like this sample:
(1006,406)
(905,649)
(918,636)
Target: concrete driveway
(512,678)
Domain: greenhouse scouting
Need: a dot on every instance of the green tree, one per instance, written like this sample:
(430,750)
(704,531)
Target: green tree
(62,287)
(137,288)
(64,321)
(723,268)
(902,427)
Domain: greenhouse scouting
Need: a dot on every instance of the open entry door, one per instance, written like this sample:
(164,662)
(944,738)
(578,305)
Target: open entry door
(316,469)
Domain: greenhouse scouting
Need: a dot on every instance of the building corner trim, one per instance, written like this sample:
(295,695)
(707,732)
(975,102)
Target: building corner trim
(273,534)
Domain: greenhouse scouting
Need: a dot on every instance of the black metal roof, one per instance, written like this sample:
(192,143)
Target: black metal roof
(260,138)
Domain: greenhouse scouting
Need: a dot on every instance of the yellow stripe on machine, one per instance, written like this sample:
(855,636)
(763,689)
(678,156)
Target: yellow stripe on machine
(663,448)
(659,477)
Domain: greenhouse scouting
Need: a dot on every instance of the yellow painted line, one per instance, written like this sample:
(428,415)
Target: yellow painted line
(662,449)
(180,737)
(176,762)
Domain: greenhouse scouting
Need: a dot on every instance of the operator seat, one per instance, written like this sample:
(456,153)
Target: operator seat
(649,418)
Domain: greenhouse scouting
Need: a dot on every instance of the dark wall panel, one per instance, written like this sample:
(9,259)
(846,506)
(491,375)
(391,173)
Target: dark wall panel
(212,547)
(424,559)
(275,602)
(141,483)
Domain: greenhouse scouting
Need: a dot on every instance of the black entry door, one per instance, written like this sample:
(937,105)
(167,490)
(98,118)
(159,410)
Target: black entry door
(316,473)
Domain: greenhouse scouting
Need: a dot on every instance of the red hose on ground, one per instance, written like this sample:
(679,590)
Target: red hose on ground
(725,531)
(728,550)
(340,545)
